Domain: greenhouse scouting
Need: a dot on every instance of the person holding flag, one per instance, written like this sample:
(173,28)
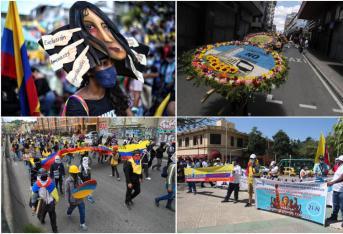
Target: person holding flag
(321,167)
(15,65)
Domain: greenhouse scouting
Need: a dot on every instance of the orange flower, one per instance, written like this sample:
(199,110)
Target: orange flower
(223,75)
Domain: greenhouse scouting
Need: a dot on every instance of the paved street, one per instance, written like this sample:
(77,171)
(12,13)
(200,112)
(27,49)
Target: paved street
(304,93)
(108,213)
(204,212)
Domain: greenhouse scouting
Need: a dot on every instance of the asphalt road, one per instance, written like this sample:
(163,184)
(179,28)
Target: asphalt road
(108,213)
(303,94)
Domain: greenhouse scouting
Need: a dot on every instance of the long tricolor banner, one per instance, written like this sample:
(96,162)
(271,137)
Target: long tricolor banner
(126,151)
(207,174)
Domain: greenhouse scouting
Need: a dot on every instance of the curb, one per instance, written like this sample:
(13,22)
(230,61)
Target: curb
(6,198)
(326,79)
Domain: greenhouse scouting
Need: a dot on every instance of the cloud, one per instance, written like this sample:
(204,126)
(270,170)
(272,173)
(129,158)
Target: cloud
(280,15)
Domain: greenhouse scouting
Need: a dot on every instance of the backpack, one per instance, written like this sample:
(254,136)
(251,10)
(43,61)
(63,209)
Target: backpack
(164,173)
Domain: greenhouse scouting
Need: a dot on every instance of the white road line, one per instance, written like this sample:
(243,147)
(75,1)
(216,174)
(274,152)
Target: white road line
(308,106)
(270,100)
(337,110)
(339,104)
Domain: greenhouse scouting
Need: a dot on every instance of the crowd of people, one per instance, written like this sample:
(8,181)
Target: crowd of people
(68,173)
(154,25)
(253,170)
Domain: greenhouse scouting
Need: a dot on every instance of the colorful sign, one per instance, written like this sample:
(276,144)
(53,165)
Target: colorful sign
(305,200)
(206,174)
(84,190)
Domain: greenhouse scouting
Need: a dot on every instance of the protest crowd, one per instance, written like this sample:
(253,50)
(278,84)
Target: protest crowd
(69,172)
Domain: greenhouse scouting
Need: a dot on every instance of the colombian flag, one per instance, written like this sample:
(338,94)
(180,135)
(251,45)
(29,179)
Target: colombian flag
(15,63)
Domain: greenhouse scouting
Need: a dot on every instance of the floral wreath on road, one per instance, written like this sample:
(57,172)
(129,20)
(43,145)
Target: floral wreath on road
(235,69)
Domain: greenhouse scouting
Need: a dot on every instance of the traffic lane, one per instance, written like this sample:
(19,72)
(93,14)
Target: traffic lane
(303,93)
(108,213)
(189,104)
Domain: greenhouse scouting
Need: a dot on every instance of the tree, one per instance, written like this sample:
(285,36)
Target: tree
(190,123)
(338,134)
(257,143)
(282,146)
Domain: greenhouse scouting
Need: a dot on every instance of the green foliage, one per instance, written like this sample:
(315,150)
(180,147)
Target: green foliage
(282,146)
(30,228)
(257,144)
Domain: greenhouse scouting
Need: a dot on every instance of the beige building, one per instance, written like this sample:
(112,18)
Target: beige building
(210,142)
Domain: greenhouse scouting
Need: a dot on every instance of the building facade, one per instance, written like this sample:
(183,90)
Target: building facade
(324,27)
(222,140)
(201,23)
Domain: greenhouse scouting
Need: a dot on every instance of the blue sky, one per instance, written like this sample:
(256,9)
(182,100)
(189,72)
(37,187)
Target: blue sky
(296,128)
(282,9)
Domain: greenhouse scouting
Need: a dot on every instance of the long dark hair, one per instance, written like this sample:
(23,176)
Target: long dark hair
(119,100)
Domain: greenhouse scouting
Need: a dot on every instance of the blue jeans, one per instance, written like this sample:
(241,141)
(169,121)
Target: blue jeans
(169,196)
(337,203)
(191,186)
(82,211)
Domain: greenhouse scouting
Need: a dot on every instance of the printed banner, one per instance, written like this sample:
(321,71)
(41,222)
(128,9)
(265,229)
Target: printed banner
(305,200)
(207,174)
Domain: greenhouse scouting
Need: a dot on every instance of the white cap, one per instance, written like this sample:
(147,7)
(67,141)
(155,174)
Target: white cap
(252,156)
(217,158)
(272,163)
(340,158)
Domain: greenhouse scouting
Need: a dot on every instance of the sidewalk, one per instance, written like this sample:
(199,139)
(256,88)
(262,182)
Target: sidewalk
(204,212)
(331,70)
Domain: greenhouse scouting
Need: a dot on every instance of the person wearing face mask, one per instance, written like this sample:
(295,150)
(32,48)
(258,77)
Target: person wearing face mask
(44,198)
(321,169)
(57,172)
(85,172)
(102,53)
(72,182)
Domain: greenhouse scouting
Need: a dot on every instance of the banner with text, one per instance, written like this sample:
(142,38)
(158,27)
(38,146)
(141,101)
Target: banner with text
(207,174)
(302,200)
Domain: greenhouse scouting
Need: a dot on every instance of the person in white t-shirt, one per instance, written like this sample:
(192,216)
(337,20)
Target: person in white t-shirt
(337,187)
(234,185)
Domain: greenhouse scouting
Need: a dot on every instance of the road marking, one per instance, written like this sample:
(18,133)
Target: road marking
(273,86)
(337,110)
(308,106)
(339,104)
(270,100)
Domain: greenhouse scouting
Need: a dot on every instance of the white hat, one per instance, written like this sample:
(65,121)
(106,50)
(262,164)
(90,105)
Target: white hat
(272,163)
(340,158)
(252,156)
(217,158)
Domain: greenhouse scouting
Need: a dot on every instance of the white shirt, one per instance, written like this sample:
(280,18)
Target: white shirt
(338,187)
(237,171)
(274,170)
(204,164)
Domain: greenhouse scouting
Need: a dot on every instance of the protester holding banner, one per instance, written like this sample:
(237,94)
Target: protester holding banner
(337,187)
(72,182)
(251,172)
(44,198)
(321,169)
(234,185)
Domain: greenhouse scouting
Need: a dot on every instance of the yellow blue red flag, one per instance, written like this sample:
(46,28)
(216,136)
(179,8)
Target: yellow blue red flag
(15,62)
(320,148)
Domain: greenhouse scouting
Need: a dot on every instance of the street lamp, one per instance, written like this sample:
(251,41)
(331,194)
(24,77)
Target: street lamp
(236,150)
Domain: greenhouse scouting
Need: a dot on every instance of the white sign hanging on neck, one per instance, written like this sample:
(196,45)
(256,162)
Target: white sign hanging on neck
(60,38)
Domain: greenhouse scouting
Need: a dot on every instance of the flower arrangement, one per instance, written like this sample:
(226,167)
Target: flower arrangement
(213,65)
(263,39)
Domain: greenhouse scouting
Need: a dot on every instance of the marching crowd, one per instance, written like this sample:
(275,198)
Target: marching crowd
(253,170)
(47,185)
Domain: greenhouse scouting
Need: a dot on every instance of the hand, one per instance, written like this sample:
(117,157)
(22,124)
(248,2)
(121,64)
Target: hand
(330,184)
(169,190)
(129,185)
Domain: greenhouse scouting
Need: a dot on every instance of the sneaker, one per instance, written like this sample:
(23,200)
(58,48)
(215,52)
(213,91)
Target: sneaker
(128,205)
(247,205)
(148,178)
(157,203)
(225,200)
(83,227)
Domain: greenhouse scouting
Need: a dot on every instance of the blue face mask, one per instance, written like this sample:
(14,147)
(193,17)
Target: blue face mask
(107,78)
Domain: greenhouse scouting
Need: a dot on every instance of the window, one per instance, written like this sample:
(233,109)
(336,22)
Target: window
(200,139)
(195,140)
(187,141)
(180,142)
(239,142)
(215,139)
(232,141)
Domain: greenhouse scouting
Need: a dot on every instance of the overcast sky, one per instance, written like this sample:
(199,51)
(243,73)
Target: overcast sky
(282,9)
